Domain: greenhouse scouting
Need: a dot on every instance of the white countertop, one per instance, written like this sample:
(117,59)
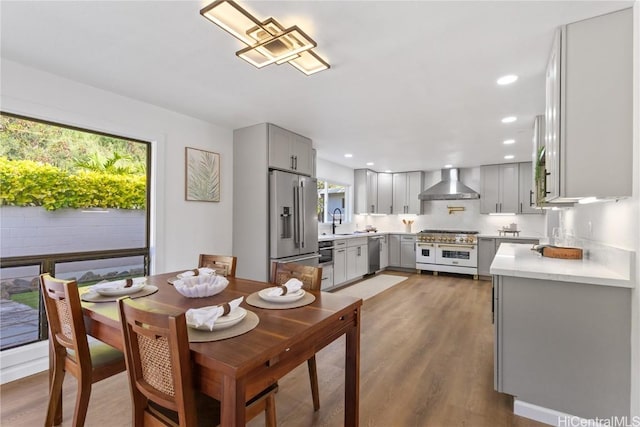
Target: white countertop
(323,237)
(518,260)
(510,236)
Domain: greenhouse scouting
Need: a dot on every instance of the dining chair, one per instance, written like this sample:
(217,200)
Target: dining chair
(311,278)
(223,264)
(160,376)
(71,351)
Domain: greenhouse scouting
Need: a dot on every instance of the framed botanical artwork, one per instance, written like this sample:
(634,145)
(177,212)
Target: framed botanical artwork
(202,182)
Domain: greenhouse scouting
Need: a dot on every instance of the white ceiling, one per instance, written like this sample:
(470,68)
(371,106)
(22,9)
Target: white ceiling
(412,85)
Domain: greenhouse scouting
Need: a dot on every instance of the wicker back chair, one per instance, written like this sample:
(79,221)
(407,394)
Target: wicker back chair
(311,278)
(223,264)
(160,377)
(71,351)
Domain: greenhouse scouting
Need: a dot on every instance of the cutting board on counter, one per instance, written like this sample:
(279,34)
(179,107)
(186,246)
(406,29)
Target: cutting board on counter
(561,252)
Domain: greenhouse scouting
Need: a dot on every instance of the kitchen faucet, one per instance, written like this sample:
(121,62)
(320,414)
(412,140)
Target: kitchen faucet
(333,220)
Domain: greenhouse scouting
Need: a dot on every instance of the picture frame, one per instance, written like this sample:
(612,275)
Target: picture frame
(202,175)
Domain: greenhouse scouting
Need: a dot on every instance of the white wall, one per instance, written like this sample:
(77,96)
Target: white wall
(181,229)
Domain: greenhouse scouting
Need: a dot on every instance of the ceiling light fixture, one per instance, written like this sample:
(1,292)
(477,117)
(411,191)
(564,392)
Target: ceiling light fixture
(448,166)
(509,119)
(370,163)
(348,156)
(509,156)
(508,79)
(267,41)
(509,141)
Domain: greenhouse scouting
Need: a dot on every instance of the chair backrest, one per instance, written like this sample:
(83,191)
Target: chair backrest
(223,264)
(158,361)
(66,321)
(311,277)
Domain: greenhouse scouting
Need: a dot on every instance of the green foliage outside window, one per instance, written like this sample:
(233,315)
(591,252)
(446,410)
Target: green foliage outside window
(28,183)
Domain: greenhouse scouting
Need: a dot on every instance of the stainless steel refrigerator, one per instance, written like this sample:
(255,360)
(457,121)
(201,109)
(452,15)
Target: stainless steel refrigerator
(293,228)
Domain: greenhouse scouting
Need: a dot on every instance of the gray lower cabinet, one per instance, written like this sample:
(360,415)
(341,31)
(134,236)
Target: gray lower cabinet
(402,251)
(384,252)
(563,345)
(340,263)
(487,248)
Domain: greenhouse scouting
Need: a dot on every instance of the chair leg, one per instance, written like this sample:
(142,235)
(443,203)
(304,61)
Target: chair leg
(82,400)
(270,411)
(313,378)
(54,417)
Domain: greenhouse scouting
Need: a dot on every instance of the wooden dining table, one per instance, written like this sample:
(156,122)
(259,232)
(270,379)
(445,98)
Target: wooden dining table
(236,369)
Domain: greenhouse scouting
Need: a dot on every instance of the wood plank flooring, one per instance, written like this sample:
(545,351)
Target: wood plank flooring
(426,361)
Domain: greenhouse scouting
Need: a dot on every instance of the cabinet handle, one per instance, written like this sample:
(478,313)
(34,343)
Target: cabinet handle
(292,166)
(500,207)
(373,209)
(295,160)
(530,197)
(497,208)
(520,207)
(341,250)
(359,247)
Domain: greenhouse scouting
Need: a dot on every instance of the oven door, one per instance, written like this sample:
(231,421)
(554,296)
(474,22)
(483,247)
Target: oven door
(425,253)
(458,255)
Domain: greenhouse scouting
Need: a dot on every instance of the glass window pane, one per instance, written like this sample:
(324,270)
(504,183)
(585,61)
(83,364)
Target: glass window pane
(19,306)
(90,272)
(331,196)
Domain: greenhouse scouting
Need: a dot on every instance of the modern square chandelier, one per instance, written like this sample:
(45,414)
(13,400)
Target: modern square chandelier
(267,42)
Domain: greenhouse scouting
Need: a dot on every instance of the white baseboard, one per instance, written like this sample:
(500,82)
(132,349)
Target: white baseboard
(23,361)
(550,416)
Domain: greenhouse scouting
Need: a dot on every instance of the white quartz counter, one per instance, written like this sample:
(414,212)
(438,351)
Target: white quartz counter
(518,260)
(323,237)
(510,236)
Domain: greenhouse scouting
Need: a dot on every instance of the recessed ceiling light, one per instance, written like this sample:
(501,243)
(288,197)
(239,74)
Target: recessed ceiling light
(508,141)
(370,163)
(348,156)
(509,156)
(508,79)
(509,119)
(448,166)
(387,171)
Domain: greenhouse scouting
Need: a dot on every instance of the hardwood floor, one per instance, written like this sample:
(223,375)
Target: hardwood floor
(426,360)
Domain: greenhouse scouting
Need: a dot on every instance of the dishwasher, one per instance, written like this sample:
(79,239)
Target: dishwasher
(374,253)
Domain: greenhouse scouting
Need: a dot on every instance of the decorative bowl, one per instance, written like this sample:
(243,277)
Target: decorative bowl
(200,286)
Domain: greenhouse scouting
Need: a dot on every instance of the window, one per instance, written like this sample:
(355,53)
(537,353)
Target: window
(74,203)
(331,196)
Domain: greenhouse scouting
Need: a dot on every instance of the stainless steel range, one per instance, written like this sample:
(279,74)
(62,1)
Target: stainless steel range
(451,251)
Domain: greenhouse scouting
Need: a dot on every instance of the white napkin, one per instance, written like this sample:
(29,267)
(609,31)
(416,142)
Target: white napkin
(201,271)
(293,285)
(207,316)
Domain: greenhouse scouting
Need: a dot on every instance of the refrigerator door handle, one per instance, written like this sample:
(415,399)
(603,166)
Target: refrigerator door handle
(296,217)
(303,213)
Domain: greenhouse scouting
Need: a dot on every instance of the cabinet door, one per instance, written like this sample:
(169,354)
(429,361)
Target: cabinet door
(362,260)
(486,253)
(372,192)
(385,193)
(400,193)
(489,189)
(509,188)
(384,252)
(339,266)
(526,193)
(394,250)
(408,252)
(360,195)
(280,156)
(414,187)
(352,262)
(302,152)
(552,120)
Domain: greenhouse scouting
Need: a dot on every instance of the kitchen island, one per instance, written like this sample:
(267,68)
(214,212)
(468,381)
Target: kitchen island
(562,334)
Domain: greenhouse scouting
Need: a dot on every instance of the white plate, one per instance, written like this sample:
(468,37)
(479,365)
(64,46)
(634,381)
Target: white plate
(224,322)
(117,288)
(289,297)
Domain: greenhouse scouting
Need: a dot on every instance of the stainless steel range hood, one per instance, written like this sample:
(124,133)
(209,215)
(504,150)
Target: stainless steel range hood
(450,188)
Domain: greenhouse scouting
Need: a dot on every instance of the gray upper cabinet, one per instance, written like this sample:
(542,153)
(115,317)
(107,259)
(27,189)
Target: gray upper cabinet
(499,188)
(366,191)
(589,109)
(385,193)
(526,192)
(406,187)
(289,151)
